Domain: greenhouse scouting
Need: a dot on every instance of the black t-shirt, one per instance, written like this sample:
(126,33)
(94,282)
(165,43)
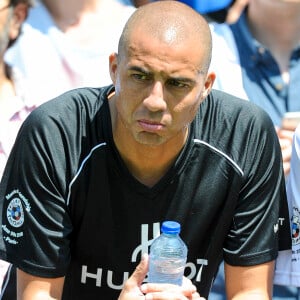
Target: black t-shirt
(70,207)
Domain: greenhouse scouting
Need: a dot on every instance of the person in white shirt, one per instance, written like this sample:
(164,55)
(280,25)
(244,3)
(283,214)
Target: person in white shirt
(288,263)
(65,44)
(14,101)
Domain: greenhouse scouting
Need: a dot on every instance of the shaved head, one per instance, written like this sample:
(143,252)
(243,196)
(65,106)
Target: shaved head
(170,22)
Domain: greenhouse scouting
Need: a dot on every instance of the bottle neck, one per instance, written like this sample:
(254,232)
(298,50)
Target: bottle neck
(170,234)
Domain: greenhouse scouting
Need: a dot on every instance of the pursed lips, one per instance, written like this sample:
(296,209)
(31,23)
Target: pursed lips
(150,126)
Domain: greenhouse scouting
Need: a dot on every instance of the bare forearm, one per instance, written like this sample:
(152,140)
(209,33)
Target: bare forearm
(35,288)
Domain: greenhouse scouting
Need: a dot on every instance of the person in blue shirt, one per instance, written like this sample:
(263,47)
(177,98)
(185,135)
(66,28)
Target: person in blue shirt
(262,53)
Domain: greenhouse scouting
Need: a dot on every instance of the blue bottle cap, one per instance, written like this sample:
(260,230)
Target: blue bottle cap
(170,227)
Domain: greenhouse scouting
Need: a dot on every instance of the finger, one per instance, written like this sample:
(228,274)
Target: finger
(166,296)
(164,291)
(286,159)
(188,286)
(285,134)
(159,287)
(173,296)
(196,296)
(286,168)
(285,144)
(287,153)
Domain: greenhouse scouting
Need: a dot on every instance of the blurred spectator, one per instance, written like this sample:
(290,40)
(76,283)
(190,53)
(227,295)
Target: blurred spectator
(66,44)
(262,54)
(215,10)
(14,104)
(288,263)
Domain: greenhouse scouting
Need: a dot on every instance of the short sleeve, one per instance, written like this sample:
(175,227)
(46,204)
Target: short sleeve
(35,222)
(260,221)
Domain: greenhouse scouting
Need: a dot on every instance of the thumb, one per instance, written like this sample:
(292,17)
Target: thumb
(141,270)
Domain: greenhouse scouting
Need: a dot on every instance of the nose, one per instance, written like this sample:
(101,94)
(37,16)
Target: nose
(155,100)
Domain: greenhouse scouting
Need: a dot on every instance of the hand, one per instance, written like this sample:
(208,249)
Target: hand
(134,290)
(285,139)
(159,291)
(235,10)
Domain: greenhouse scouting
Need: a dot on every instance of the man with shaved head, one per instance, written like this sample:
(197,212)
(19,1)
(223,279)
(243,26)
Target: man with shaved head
(95,171)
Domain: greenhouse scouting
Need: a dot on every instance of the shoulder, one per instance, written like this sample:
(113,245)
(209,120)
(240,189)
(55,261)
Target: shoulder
(232,107)
(70,109)
(229,123)
(70,99)
(238,128)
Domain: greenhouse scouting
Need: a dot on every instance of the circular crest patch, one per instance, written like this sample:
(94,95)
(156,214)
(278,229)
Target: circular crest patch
(295,220)
(15,213)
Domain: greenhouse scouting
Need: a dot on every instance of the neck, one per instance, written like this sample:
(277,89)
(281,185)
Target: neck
(276,25)
(148,164)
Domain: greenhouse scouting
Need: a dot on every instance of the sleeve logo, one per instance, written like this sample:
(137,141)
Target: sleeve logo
(15,213)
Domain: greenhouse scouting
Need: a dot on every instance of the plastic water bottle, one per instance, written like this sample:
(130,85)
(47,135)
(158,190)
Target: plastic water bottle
(168,255)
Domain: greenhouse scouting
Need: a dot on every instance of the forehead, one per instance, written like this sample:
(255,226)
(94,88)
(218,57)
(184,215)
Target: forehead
(164,53)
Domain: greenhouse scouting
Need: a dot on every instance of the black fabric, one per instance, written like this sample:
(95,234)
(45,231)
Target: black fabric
(81,214)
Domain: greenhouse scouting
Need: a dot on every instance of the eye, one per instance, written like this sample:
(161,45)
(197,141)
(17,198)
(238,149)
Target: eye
(140,76)
(177,83)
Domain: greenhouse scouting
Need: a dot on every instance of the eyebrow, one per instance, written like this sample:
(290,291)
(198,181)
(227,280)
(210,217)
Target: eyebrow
(139,69)
(146,72)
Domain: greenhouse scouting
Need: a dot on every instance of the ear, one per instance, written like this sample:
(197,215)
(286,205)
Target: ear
(113,66)
(20,12)
(209,81)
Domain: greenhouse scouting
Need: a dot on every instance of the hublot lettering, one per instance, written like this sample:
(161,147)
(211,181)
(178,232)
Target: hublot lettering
(193,269)
(104,277)
(98,278)
(113,286)
(145,241)
(85,275)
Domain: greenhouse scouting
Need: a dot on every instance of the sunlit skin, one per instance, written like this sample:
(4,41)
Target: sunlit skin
(156,100)
(158,91)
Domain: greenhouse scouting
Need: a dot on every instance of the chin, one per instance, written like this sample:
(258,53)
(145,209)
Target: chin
(151,140)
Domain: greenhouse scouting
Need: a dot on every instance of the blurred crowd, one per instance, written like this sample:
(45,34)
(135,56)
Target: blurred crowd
(51,46)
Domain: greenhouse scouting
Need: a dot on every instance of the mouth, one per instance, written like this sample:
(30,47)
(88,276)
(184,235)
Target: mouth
(150,126)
